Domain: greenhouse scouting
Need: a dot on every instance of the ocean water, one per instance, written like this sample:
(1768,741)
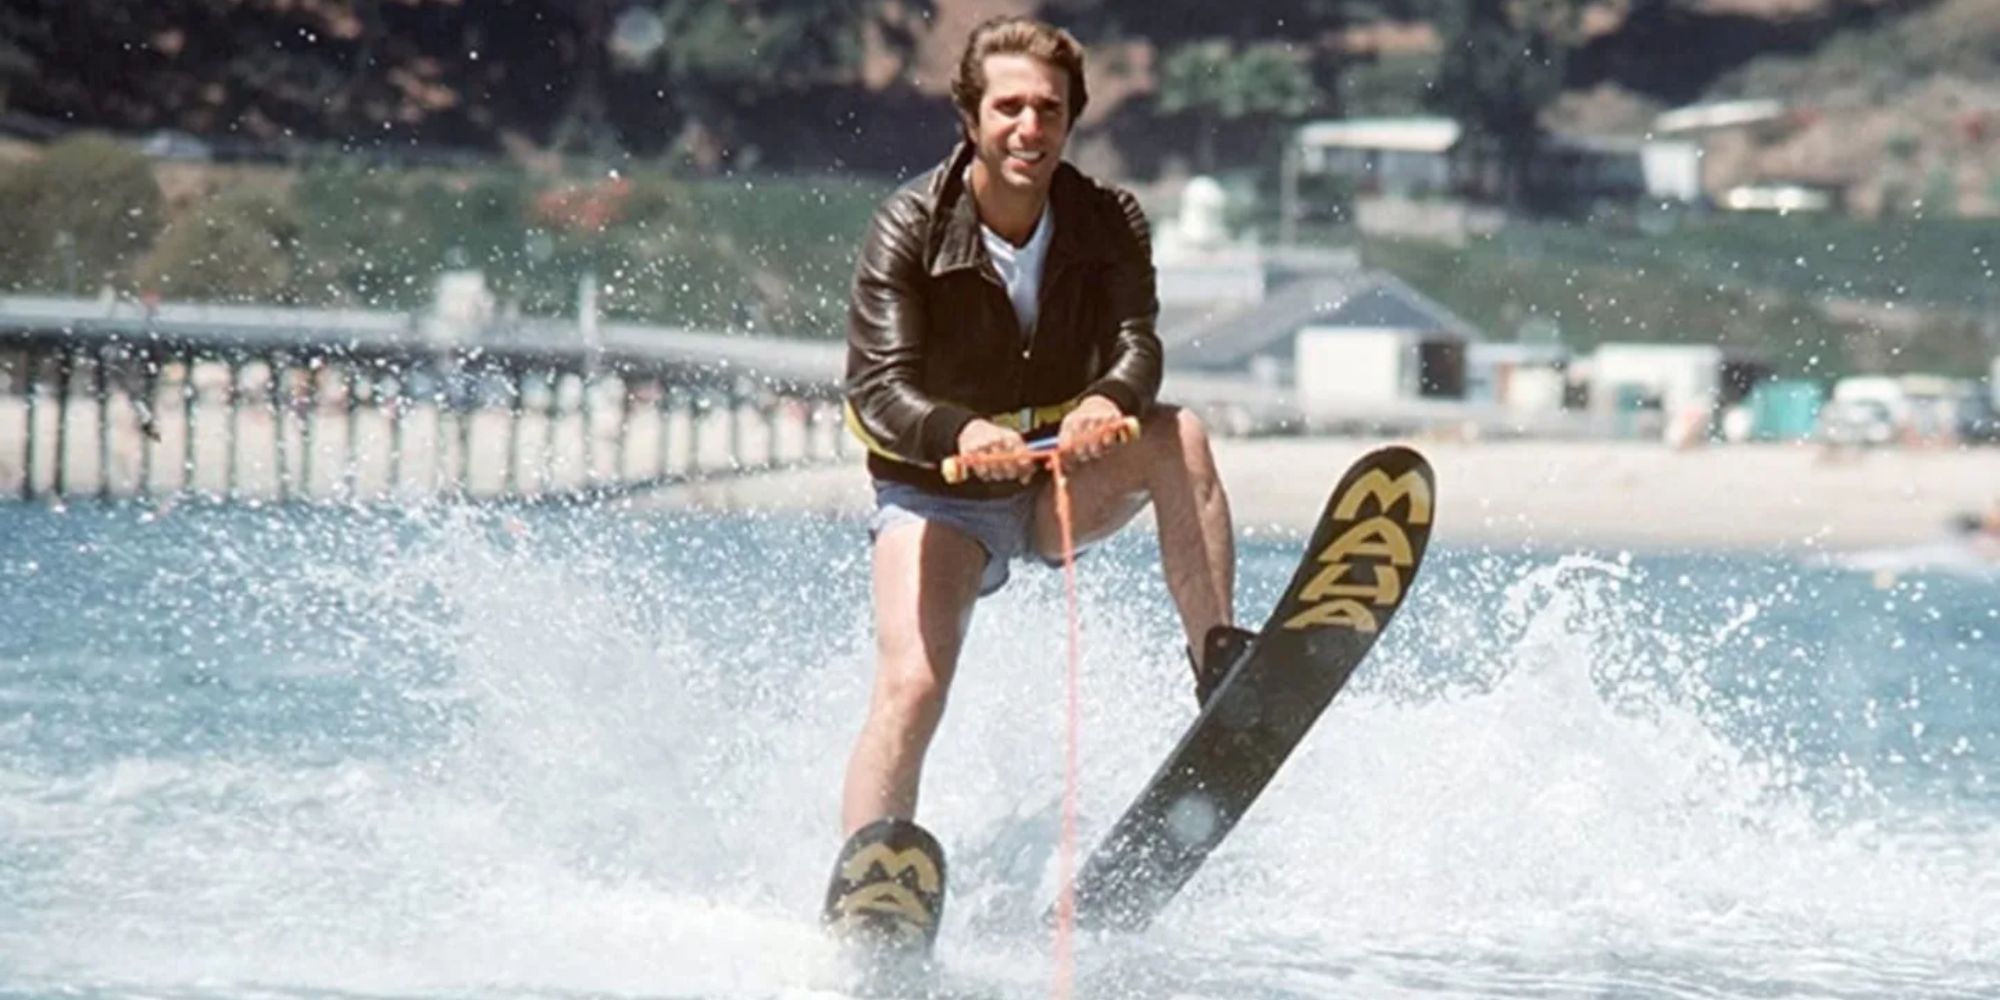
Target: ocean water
(564,752)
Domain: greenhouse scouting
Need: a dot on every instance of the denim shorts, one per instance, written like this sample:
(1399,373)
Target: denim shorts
(1003,526)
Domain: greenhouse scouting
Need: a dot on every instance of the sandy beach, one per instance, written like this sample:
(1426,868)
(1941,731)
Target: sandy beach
(1546,494)
(1557,494)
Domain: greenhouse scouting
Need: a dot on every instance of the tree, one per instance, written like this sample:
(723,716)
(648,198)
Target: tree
(1225,66)
(716,58)
(17,52)
(1169,23)
(1215,81)
(405,76)
(1503,63)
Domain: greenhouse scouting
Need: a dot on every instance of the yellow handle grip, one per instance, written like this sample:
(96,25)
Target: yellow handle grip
(955,469)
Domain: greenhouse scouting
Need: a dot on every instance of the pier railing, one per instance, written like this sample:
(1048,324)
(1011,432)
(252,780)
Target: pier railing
(112,400)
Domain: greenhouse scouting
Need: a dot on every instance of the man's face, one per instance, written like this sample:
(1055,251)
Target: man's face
(1023,121)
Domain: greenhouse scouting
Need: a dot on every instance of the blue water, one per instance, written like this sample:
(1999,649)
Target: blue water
(593,751)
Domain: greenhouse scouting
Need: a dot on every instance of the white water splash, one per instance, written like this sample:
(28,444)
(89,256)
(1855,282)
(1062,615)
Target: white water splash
(1527,791)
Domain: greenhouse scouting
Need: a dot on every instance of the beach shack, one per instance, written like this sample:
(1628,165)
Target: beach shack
(1341,368)
(1385,345)
(1523,378)
(1784,409)
(1342,345)
(1674,390)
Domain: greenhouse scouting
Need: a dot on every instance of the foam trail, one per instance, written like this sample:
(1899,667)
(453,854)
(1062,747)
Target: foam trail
(580,752)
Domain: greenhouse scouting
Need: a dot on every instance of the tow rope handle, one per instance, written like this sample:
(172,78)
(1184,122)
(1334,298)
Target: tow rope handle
(958,467)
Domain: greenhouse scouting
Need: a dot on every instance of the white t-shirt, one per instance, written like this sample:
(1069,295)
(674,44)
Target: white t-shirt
(1021,267)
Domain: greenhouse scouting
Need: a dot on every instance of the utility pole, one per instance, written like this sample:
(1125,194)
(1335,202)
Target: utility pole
(1288,191)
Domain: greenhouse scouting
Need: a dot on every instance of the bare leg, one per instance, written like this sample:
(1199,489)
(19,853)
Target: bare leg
(926,579)
(1170,466)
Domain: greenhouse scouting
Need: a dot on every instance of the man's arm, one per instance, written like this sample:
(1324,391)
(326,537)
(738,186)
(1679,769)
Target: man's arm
(885,338)
(1132,380)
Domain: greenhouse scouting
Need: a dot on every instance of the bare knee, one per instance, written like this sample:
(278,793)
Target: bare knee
(1191,432)
(1178,438)
(909,695)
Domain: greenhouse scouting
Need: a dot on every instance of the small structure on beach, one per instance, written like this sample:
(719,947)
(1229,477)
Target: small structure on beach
(1344,369)
(1783,410)
(1524,378)
(1674,390)
(1345,345)
(1263,341)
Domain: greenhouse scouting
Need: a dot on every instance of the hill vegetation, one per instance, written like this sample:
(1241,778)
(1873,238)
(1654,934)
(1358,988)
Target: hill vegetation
(709,162)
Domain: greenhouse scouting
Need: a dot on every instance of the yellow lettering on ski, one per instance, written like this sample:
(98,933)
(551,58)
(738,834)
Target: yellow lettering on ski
(1375,540)
(893,864)
(1344,611)
(1377,537)
(1386,590)
(891,898)
(1386,492)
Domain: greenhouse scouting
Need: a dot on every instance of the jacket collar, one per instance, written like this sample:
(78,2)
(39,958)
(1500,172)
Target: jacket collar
(955,242)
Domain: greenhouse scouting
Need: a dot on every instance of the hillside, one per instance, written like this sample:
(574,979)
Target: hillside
(1898,103)
(1898,107)
(1900,98)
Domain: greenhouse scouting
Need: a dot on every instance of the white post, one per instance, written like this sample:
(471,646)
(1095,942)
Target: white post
(586,308)
(1288,191)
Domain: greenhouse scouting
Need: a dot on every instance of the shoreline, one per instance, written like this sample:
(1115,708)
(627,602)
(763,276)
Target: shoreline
(1548,494)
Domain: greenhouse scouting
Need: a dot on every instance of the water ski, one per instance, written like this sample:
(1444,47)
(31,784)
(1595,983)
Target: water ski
(1355,573)
(887,893)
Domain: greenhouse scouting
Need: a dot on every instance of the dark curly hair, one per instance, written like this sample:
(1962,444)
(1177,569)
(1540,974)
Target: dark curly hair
(1013,35)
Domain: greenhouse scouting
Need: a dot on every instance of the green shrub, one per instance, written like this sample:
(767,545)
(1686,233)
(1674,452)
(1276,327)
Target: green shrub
(79,216)
(1749,281)
(771,254)
(25,232)
(366,237)
(240,245)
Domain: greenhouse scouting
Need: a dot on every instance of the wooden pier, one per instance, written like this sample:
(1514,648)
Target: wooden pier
(116,400)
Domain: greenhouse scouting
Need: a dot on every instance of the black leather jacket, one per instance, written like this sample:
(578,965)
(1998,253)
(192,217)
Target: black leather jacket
(932,340)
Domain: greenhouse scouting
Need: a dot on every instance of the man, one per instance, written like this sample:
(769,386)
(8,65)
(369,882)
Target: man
(1003,295)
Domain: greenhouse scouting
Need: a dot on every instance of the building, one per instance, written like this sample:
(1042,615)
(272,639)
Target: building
(1675,389)
(1342,372)
(1780,410)
(1526,379)
(1420,157)
(1622,168)
(1335,344)
(1722,142)
(1915,407)
(1407,157)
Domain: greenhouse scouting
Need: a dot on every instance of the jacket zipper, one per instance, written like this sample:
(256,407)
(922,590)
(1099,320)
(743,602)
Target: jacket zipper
(992,276)
(1049,279)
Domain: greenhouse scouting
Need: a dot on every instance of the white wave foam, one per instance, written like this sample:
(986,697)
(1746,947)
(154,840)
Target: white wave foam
(632,787)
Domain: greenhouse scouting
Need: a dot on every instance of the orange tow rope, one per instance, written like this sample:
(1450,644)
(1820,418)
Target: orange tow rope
(1065,931)
(1066,852)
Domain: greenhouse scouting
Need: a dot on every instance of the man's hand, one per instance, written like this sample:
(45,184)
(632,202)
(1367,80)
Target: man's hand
(1087,430)
(984,437)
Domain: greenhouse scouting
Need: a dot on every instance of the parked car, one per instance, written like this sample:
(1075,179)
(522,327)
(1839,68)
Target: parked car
(1856,422)
(1978,421)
